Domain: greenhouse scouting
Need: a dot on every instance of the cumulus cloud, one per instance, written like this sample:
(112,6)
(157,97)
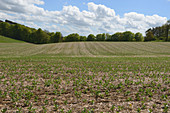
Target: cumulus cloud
(97,19)
(22,6)
(101,11)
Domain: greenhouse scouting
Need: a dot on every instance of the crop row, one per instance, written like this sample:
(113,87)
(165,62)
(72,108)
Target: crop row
(121,84)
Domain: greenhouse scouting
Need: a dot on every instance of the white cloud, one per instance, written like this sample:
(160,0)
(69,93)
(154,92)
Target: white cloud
(22,6)
(97,19)
(101,11)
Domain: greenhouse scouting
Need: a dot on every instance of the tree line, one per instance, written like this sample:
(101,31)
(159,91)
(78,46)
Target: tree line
(21,32)
(39,36)
(161,33)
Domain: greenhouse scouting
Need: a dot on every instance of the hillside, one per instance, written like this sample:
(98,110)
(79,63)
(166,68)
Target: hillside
(83,49)
(9,40)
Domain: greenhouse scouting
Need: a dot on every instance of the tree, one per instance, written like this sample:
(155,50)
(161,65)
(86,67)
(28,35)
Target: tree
(149,36)
(26,33)
(83,38)
(72,37)
(128,36)
(103,37)
(117,37)
(108,37)
(51,34)
(99,37)
(57,37)
(91,37)
(40,37)
(167,30)
(4,31)
(17,32)
(161,32)
(139,37)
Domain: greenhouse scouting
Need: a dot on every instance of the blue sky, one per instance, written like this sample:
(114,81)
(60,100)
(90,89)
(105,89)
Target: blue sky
(147,7)
(87,16)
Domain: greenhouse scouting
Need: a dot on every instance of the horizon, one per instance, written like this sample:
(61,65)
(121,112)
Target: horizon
(87,16)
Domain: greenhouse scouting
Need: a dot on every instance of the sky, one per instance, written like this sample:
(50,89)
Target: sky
(87,16)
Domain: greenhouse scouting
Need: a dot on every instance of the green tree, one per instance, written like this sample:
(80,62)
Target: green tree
(117,37)
(32,35)
(99,37)
(40,37)
(72,37)
(149,36)
(20,32)
(168,30)
(4,31)
(108,37)
(139,37)
(57,37)
(51,34)
(91,37)
(26,33)
(161,32)
(83,38)
(128,36)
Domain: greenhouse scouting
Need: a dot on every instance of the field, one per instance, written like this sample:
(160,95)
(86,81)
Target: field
(87,49)
(9,40)
(87,77)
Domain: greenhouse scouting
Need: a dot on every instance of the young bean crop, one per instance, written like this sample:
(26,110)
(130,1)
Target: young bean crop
(84,84)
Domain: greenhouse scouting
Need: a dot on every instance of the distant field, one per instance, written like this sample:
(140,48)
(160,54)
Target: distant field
(85,77)
(87,49)
(9,40)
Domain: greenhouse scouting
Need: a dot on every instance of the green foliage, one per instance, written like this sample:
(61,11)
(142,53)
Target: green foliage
(100,37)
(72,38)
(4,110)
(128,36)
(83,38)
(108,37)
(40,37)
(159,33)
(4,29)
(16,31)
(21,32)
(149,36)
(117,37)
(139,37)
(57,37)
(112,108)
(91,37)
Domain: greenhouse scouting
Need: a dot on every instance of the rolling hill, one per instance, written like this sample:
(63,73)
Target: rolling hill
(10,47)
(9,40)
(85,77)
